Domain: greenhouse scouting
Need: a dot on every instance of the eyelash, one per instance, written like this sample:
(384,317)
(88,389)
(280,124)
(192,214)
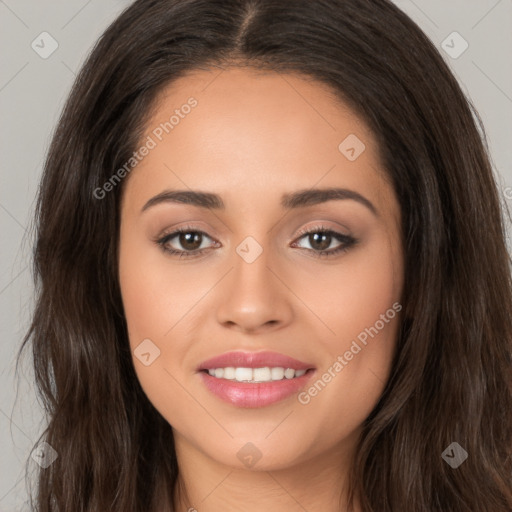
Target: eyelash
(347,242)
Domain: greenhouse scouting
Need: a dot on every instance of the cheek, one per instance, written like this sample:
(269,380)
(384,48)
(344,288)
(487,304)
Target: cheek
(162,303)
(156,293)
(361,306)
(157,305)
(351,296)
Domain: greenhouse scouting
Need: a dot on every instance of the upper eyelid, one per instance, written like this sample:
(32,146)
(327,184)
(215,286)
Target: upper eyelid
(177,231)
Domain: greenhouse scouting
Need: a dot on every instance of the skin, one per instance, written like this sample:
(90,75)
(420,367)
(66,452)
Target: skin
(252,137)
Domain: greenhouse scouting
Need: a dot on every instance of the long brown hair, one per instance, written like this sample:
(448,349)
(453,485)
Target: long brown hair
(451,379)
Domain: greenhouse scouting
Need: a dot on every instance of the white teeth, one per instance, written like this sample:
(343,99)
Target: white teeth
(261,374)
(229,373)
(265,374)
(277,373)
(289,373)
(242,374)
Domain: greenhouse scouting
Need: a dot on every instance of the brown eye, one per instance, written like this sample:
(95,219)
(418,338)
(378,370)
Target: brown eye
(321,239)
(190,241)
(185,242)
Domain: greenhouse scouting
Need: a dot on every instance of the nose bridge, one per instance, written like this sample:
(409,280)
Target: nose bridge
(251,268)
(253,297)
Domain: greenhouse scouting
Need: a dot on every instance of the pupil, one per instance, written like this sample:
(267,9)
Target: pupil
(190,241)
(324,243)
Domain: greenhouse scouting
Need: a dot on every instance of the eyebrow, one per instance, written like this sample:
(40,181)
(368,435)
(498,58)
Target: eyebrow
(299,199)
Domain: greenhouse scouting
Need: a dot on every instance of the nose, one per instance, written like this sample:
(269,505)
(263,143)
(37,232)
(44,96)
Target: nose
(254,297)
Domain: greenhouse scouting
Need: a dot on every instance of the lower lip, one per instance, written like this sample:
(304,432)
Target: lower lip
(251,394)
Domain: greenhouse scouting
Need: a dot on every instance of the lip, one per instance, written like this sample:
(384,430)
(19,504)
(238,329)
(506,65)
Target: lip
(254,360)
(251,394)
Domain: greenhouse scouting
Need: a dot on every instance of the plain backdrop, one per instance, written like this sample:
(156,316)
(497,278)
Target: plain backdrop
(33,88)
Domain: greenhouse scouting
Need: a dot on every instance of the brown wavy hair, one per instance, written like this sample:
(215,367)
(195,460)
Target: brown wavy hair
(451,378)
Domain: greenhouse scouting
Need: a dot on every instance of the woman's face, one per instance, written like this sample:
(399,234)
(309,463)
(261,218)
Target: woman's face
(260,160)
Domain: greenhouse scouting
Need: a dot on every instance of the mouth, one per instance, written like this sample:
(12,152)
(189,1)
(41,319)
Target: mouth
(254,379)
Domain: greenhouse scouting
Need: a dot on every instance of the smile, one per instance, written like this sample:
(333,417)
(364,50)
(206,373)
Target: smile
(254,379)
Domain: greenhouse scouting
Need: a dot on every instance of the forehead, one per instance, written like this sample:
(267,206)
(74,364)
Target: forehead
(248,107)
(250,129)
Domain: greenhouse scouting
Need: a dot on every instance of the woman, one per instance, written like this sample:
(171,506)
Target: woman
(272,270)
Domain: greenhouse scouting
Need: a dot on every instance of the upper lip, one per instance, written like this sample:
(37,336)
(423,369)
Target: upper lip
(253,360)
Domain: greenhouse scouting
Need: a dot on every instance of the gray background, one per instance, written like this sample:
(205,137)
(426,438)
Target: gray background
(32,93)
